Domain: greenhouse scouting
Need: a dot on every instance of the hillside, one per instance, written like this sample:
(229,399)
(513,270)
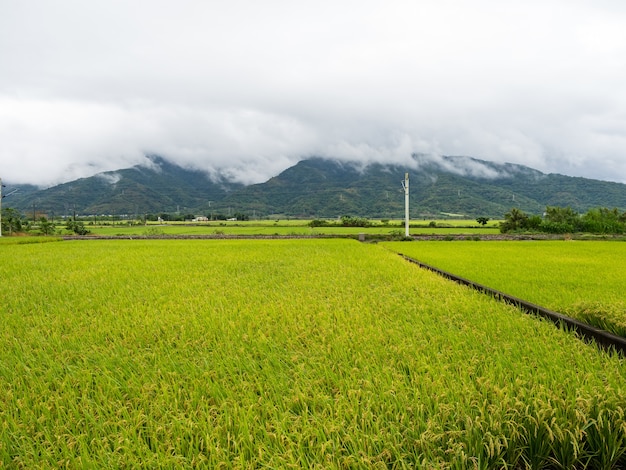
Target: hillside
(327,188)
(161,187)
(453,185)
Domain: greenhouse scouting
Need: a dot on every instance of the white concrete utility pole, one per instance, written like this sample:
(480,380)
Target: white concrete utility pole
(405,186)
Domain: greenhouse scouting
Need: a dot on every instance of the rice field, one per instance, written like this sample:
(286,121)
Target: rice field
(285,354)
(288,227)
(582,279)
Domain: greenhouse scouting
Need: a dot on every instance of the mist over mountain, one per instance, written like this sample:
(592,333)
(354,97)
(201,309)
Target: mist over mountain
(439,186)
(326,188)
(160,186)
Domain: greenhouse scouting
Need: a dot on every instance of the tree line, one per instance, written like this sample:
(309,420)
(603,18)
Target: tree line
(554,220)
(13,222)
(566,220)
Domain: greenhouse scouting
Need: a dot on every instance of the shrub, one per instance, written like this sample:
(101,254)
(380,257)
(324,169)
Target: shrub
(557,227)
(318,223)
(77,227)
(347,221)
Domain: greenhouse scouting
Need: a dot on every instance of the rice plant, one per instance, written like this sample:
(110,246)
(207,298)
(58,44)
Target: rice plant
(284,353)
(582,279)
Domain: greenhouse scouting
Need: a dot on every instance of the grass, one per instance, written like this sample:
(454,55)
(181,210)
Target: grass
(583,279)
(25,240)
(284,353)
(289,227)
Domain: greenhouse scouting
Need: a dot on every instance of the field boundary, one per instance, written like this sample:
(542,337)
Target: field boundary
(602,338)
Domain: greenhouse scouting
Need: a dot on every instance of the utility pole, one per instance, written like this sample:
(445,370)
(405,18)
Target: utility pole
(405,186)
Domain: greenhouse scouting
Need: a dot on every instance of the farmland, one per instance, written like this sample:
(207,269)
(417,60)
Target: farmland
(279,353)
(581,279)
(281,227)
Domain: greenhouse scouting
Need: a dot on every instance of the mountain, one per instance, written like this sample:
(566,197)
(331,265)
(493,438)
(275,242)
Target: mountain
(450,185)
(327,188)
(159,187)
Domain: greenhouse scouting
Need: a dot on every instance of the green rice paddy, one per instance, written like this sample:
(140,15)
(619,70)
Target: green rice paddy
(583,279)
(288,227)
(285,354)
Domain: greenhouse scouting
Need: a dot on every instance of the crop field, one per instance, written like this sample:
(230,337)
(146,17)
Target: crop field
(582,279)
(286,227)
(285,354)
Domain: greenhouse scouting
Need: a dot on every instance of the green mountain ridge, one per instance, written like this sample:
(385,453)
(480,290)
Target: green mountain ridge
(466,186)
(161,187)
(327,188)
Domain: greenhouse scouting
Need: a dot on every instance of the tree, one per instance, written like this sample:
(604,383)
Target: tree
(603,220)
(348,221)
(46,227)
(561,220)
(482,220)
(11,220)
(77,227)
(565,215)
(515,219)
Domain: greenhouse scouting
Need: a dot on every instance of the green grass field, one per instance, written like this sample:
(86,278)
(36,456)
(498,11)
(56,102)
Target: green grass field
(285,353)
(583,279)
(289,227)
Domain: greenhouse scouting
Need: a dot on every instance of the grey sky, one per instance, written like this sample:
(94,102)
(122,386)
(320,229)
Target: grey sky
(251,87)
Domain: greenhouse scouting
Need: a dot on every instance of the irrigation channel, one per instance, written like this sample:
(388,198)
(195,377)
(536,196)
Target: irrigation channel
(602,338)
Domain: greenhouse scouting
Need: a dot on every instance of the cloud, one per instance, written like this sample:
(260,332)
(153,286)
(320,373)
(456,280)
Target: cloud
(460,165)
(249,88)
(109,178)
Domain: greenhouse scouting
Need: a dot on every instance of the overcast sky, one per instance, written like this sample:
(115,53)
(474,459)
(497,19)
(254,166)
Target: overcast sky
(253,86)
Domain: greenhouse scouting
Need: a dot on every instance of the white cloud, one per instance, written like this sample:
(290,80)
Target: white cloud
(252,87)
(110,178)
